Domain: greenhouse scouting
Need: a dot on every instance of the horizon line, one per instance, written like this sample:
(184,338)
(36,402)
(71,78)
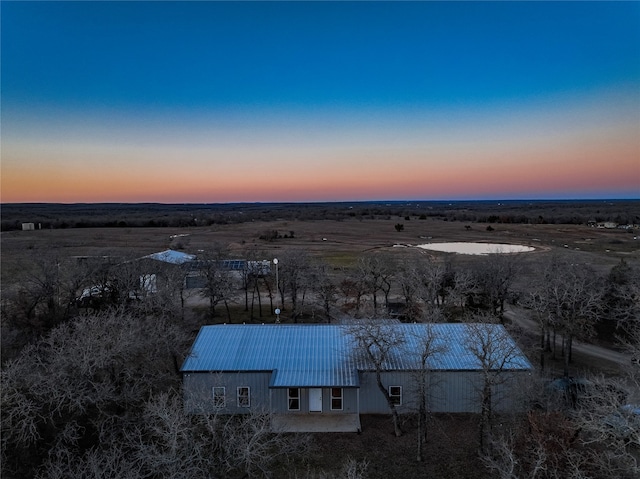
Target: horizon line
(476,200)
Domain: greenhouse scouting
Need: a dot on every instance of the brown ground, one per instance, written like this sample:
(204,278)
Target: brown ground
(451,448)
(339,242)
(450,451)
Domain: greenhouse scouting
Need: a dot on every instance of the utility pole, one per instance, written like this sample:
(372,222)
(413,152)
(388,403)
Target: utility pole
(277,311)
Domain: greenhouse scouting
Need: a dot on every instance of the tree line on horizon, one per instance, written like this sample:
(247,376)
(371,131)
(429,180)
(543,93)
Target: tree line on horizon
(57,216)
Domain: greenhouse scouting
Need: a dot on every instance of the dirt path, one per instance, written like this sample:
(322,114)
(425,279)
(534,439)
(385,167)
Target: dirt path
(520,317)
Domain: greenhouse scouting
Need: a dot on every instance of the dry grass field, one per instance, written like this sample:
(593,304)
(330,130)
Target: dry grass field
(338,242)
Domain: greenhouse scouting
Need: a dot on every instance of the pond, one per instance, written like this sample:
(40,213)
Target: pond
(476,248)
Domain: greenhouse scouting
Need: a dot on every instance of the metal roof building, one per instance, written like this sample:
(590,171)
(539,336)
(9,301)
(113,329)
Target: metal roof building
(319,369)
(324,355)
(171,256)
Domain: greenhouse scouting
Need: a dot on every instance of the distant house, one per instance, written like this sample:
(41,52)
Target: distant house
(607,225)
(28,226)
(237,267)
(314,374)
(156,268)
(148,276)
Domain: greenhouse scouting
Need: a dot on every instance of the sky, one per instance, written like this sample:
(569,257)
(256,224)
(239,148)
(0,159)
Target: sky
(217,102)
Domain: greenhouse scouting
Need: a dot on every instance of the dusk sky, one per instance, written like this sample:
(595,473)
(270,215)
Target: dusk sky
(209,102)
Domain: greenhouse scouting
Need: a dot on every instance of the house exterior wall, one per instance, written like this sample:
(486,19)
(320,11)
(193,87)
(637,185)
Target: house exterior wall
(198,391)
(198,396)
(194,281)
(372,401)
(460,391)
(447,391)
(280,401)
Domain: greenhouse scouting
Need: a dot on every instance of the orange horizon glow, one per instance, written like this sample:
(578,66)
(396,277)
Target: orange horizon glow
(525,153)
(361,176)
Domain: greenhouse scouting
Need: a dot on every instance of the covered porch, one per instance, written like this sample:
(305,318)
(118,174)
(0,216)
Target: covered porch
(315,422)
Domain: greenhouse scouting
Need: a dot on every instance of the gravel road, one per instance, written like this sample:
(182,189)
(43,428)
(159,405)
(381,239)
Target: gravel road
(520,317)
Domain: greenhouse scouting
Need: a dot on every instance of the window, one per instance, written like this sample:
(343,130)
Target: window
(395,394)
(294,399)
(336,399)
(243,397)
(219,397)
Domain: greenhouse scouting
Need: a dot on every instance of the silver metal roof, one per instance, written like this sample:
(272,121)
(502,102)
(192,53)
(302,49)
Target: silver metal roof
(326,355)
(171,256)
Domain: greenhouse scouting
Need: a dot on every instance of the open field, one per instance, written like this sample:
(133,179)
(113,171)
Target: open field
(338,232)
(338,242)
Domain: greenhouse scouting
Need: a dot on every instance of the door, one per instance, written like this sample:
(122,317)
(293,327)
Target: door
(315,400)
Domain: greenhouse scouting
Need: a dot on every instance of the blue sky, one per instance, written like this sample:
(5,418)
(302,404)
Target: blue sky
(321,90)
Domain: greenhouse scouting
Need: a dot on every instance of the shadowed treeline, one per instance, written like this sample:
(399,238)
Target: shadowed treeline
(95,215)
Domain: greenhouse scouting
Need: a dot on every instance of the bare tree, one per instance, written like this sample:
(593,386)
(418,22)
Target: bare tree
(376,271)
(250,275)
(169,442)
(388,274)
(461,288)
(567,297)
(631,343)
(605,416)
(431,275)
(597,440)
(375,342)
(174,290)
(429,346)
(218,278)
(325,287)
(495,353)
(98,462)
(622,296)
(83,381)
(505,462)
(43,295)
(349,469)
(295,278)
(409,282)
(494,275)
(251,447)
(353,288)
(260,272)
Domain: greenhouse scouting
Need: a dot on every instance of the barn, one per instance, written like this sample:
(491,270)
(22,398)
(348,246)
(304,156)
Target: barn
(316,377)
